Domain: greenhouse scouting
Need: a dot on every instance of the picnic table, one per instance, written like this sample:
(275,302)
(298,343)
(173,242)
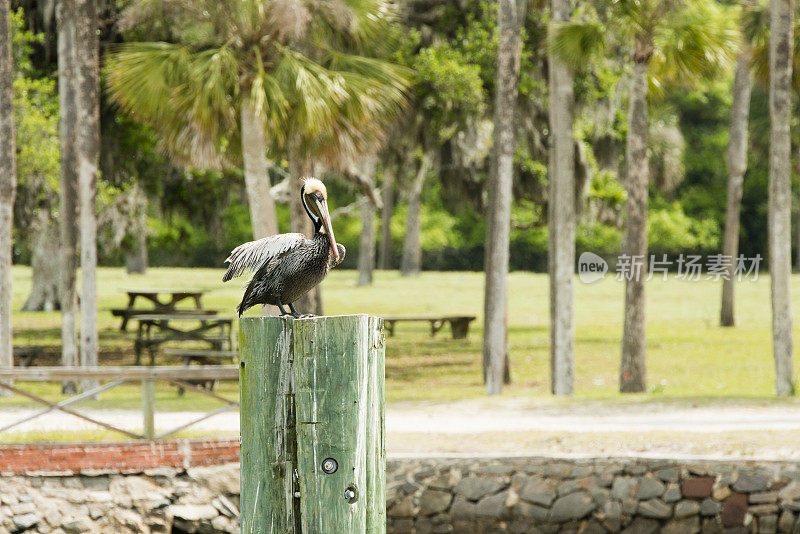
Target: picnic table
(459,324)
(156,329)
(162,301)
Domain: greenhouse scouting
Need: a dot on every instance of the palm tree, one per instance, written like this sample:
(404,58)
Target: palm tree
(8,181)
(779,214)
(248,69)
(68,189)
(510,18)
(561,215)
(672,41)
(87,99)
(737,165)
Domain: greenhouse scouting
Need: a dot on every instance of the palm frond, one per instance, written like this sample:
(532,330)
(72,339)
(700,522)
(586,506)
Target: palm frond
(577,42)
(696,42)
(184,95)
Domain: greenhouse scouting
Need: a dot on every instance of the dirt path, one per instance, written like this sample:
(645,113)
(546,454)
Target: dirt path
(762,429)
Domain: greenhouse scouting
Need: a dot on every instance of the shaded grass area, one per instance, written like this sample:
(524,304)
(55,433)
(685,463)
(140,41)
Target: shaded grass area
(689,356)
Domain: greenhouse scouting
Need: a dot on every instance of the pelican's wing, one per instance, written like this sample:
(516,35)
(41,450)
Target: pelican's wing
(251,256)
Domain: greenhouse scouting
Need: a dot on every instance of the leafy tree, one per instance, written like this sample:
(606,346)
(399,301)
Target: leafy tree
(667,42)
(510,14)
(87,135)
(780,172)
(737,165)
(561,214)
(8,181)
(68,192)
(244,77)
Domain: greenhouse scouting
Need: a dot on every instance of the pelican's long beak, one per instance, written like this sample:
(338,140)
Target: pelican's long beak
(326,221)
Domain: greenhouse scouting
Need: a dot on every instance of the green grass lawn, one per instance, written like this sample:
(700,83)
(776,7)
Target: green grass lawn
(689,356)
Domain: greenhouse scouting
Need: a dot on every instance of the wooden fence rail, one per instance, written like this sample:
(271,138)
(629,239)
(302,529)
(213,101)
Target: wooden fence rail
(178,375)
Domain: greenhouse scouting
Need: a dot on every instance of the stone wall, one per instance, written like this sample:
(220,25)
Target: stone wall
(437,495)
(201,499)
(634,496)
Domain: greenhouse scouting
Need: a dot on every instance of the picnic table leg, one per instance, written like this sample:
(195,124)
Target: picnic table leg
(436,325)
(459,328)
(197,303)
(137,345)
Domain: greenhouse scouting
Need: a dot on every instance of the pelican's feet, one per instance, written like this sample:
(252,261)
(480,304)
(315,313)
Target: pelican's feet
(301,315)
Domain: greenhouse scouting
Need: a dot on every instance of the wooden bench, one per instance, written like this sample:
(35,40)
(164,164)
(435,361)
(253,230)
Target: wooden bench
(27,354)
(459,324)
(127,313)
(203,357)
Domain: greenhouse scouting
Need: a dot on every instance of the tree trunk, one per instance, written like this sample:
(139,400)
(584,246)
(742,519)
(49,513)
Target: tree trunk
(87,99)
(510,14)
(256,173)
(8,184)
(68,190)
(136,260)
(300,169)
(387,194)
(561,214)
(737,165)
(632,368)
(44,264)
(412,251)
(779,217)
(366,246)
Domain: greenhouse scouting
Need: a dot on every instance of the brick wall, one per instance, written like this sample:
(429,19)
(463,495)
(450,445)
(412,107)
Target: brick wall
(118,457)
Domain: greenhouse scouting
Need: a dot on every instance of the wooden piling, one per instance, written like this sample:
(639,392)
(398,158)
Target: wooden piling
(313,451)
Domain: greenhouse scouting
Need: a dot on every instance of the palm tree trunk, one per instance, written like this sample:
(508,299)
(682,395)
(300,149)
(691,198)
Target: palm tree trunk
(561,213)
(256,173)
(87,99)
(632,368)
(387,194)
(68,192)
(301,168)
(136,260)
(510,14)
(8,184)
(779,217)
(737,165)
(412,251)
(44,295)
(366,246)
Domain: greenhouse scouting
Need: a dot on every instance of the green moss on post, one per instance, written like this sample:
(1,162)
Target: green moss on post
(312,389)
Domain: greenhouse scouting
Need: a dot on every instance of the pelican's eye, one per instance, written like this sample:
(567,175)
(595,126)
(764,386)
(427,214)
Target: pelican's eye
(319,196)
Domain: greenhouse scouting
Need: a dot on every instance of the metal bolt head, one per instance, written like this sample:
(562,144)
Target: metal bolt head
(329,466)
(351,494)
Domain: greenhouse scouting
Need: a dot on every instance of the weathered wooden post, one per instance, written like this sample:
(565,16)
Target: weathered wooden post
(312,419)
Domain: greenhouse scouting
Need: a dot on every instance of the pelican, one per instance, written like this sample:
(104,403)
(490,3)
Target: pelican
(287,266)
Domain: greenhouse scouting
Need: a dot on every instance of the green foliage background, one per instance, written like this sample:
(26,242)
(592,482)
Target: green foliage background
(195,216)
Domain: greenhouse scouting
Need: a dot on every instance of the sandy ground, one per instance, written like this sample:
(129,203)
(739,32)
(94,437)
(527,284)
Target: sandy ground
(514,426)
